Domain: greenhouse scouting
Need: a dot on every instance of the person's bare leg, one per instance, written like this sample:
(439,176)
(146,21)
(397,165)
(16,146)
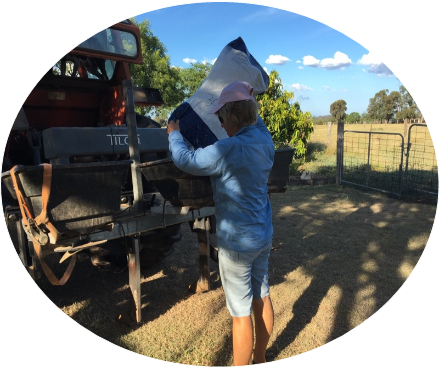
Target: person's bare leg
(264,321)
(242,340)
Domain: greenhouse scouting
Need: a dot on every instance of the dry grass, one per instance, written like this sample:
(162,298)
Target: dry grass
(341,255)
(322,146)
(320,133)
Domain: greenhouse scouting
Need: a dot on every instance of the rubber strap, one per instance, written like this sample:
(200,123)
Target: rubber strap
(48,272)
(42,219)
(25,212)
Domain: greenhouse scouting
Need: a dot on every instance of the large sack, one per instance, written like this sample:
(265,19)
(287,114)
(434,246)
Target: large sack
(235,63)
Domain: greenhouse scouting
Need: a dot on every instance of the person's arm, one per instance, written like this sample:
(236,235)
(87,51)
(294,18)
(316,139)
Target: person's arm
(202,162)
(262,127)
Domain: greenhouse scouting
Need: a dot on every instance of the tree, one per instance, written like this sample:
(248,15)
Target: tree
(156,72)
(338,110)
(323,119)
(283,117)
(392,105)
(192,77)
(376,108)
(408,109)
(396,105)
(354,117)
(364,117)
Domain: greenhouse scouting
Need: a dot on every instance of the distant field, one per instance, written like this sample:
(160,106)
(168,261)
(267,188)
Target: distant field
(321,131)
(321,156)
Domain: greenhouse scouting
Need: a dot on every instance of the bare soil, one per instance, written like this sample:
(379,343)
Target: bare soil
(339,255)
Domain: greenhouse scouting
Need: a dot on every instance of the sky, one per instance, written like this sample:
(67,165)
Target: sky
(316,62)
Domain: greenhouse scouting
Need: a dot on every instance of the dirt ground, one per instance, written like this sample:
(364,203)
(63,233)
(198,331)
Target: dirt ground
(339,255)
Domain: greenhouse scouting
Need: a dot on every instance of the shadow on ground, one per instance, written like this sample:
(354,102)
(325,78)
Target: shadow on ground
(340,254)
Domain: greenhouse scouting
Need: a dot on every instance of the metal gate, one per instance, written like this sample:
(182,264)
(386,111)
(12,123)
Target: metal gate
(373,160)
(381,161)
(421,172)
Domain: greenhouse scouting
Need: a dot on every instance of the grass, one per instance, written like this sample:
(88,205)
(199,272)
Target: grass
(325,279)
(385,154)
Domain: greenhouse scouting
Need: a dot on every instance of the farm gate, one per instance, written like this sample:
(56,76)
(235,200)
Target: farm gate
(390,163)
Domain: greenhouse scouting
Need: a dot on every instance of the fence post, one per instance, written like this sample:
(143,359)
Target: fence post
(340,130)
(405,129)
(329,133)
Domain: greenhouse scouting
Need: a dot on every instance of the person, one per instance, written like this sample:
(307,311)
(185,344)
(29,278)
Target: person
(239,166)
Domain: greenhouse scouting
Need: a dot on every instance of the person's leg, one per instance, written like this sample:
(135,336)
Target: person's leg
(242,340)
(235,273)
(262,305)
(263,321)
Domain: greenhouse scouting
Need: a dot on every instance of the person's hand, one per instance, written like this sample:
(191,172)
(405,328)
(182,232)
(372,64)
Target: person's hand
(173,126)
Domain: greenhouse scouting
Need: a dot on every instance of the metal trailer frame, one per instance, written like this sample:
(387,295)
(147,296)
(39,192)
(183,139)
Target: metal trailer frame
(135,220)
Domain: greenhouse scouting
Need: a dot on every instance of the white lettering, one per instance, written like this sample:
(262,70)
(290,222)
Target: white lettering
(121,140)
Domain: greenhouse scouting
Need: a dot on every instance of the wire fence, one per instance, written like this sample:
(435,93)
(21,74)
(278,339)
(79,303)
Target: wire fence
(388,163)
(421,172)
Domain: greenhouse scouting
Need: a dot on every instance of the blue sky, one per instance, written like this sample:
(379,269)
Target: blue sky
(319,64)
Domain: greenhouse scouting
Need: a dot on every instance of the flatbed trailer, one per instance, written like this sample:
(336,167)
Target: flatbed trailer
(71,175)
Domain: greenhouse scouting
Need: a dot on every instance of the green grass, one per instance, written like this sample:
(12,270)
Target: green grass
(320,157)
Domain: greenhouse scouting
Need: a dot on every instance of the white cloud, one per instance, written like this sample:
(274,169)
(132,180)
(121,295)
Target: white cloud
(299,87)
(277,60)
(310,61)
(339,61)
(300,67)
(376,66)
(381,70)
(369,59)
(189,61)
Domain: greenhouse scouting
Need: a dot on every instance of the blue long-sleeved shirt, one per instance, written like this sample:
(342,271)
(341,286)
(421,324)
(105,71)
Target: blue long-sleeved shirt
(239,167)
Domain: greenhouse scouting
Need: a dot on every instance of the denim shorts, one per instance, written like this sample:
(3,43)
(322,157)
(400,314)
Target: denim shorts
(244,278)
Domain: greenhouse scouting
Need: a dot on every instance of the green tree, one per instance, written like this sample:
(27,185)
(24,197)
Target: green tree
(192,77)
(156,72)
(377,106)
(408,109)
(391,105)
(338,110)
(364,117)
(354,117)
(283,117)
(384,107)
